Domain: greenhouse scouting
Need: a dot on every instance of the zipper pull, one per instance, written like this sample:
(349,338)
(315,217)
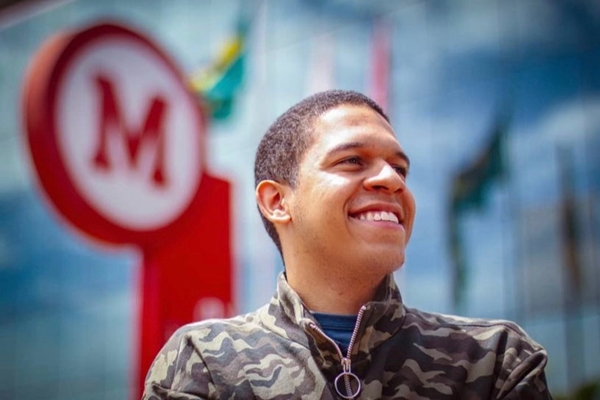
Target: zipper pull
(351,384)
(346,384)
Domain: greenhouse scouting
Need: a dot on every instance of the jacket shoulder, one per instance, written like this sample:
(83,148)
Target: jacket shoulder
(497,354)
(186,346)
(495,334)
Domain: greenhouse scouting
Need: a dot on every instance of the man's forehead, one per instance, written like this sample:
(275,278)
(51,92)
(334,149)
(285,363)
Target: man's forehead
(351,123)
(351,114)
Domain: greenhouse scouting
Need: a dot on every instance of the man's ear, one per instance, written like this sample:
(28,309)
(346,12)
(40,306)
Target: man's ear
(272,201)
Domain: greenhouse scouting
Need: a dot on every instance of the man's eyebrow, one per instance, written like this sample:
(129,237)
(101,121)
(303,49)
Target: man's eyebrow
(345,146)
(357,145)
(403,155)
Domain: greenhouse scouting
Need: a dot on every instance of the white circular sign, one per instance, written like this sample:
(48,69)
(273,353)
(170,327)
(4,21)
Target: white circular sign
(129,133)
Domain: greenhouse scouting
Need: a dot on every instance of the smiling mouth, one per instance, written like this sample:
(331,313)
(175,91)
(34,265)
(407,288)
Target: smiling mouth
(377,216)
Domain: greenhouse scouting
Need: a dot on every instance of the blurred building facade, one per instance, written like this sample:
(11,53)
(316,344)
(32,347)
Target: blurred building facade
(446,71)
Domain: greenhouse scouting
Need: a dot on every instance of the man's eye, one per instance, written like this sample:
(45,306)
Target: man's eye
(352,160)
(401,170)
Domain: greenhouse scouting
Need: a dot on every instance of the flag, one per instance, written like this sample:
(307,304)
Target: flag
(380,64)
(219,82)
(470,186)
(468,191)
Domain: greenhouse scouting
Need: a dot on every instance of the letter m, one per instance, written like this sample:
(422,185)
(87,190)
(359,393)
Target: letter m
(112,122)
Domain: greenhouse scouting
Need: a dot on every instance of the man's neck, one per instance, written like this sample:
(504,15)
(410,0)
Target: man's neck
(333,294)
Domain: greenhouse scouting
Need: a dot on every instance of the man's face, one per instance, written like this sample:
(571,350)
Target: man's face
(351,206)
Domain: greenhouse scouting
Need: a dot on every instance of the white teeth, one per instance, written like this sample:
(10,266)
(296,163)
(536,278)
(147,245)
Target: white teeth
(378,216)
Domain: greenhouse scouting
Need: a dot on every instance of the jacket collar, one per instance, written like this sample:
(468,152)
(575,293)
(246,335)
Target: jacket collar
(382,318)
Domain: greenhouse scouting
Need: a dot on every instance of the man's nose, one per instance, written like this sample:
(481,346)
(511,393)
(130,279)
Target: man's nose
(385,177)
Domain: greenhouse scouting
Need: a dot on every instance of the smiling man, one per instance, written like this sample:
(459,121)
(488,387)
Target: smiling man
(331,189)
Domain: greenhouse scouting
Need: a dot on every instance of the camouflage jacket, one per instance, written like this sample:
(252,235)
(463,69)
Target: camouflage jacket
(279,352)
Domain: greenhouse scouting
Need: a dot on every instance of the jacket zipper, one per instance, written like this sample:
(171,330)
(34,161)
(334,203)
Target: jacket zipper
(346,373)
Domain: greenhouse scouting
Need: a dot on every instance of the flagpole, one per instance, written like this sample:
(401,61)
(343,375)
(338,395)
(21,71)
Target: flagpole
(571,271)
(517,273)
(518,267)
(510,206)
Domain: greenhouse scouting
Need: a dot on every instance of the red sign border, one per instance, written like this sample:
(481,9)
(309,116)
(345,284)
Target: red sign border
(42,82)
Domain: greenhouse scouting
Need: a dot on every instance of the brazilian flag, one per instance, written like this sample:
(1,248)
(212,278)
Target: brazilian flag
(220,81)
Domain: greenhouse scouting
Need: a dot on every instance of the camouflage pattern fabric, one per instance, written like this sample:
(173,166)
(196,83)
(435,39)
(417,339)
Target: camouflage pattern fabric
(279,352)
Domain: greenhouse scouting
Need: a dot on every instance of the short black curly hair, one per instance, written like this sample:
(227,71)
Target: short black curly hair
(282,147)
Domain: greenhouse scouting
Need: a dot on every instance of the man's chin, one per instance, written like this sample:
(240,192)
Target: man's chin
(384,264)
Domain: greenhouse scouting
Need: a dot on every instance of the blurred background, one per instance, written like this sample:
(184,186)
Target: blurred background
(497,103)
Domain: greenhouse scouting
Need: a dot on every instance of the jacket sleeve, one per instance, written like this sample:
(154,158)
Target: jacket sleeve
(178,372)
(524,376)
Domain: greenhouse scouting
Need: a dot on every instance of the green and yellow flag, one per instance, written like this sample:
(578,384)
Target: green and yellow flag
(219,82)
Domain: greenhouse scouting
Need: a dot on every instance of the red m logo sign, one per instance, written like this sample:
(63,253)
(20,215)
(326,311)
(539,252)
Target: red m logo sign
(150,131)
